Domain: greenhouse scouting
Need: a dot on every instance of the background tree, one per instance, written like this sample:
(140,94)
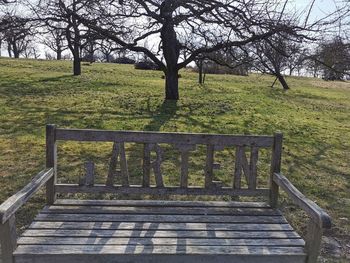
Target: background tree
(55,39)
(17,32)
(215,25)
(272,57)
(334,58)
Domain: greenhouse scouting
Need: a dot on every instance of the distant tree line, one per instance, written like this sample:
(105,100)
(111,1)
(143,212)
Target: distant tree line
(217,36)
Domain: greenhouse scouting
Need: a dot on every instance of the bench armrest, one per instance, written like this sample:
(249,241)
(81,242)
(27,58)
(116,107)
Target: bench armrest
(319,216)
(12,204)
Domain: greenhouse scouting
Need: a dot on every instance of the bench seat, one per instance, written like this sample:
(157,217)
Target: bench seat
(159,231)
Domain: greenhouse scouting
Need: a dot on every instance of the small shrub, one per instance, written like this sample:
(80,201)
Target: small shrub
(146,65)
(124,60)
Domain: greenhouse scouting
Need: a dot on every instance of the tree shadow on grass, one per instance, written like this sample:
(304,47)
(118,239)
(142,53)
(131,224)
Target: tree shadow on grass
(165,112)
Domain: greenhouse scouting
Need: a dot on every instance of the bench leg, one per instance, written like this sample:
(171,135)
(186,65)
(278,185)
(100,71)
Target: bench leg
(313,241)
(8,238)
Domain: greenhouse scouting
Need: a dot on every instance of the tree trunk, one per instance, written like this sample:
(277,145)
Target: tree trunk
(76,65)
(15,50)
(172,84)
(171,51)
(282,80)
(200,72)
(59,54)
(9,50)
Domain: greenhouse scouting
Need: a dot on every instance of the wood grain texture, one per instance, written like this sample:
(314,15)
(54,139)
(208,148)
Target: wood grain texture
(161,203)
(222,140)
(239,255)
(51,162)
(8,239)
(275,167)
(209,170)
(159,191)
(319,216)
(159,231)
(118,156)
(12,204)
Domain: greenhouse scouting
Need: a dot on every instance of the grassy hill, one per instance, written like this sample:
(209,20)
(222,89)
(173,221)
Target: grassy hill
(314,117)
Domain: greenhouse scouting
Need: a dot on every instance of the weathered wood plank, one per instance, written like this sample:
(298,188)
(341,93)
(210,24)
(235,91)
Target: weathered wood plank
(209,171)
(8,239)
(26,256)
(275,167)
(162,203)
(113,164)
(237,178)
(160,226)
(313,241)
(320,217)
(159,191)
(159,210)
(157,137)
(160,234)
(90,174)
(269,242)
(160,218)
(51,162)
(157,166)
(254,155)
(185,150)
(12,204)
(118,155)
(146,165)
(178,249)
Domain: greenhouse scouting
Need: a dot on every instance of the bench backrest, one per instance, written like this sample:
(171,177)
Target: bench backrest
(152,159)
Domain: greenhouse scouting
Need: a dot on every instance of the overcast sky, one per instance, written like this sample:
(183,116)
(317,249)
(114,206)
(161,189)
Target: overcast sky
(320,9)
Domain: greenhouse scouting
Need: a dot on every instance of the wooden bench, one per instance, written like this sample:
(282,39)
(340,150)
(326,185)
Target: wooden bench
(69,230)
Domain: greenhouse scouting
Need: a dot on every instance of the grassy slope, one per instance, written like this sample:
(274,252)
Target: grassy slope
(314,117)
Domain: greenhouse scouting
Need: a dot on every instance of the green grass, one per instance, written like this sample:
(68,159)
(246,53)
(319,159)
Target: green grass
(314,117)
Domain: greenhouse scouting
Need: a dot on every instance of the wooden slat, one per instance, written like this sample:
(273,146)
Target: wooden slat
(237,179)
(12,204)
(178,249)
(276,160)
(160,218)
(8,239)
(209,172)
(269,242)
(118,154)
(157,166)
(51,162)
(170,138)
(113,164)
(161,203)
(254,155)
(320,217)
(90,174)
(159,191)
(245,167)
(27,254)
(220,234)
(159,210)
(185,153)
(160,226)
(146,165)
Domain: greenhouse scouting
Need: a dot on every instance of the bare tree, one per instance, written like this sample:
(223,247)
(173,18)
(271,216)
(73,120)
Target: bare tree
(55,39)
(17,32)
(272,57)
(60,12)
(215,25)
